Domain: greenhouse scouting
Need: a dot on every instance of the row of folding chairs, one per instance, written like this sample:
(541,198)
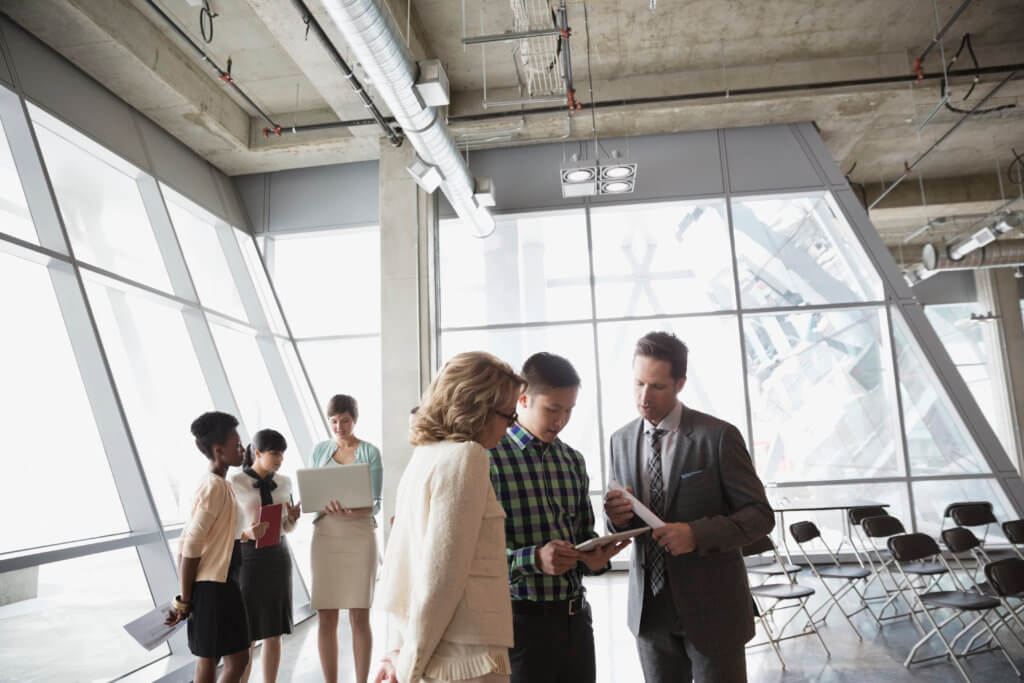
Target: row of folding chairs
(909,569)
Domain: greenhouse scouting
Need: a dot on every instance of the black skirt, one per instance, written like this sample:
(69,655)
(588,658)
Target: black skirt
(265,577)
(218,625)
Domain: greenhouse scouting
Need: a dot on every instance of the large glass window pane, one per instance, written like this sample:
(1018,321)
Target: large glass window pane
(329,282)
(714,373)
(64,621)
(15,218)
(259,281)
(197,233)
(533,268)
(652,259)
(574,342)
(937,439)
(43,395)
(310,410)
(831,522)
(251,385)
(349,366)
(798,250)
(161,386)
(822,395)
(932,497)
(970,344)
(101,204)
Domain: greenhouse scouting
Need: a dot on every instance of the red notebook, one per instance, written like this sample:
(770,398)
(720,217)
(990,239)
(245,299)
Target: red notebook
(271,514)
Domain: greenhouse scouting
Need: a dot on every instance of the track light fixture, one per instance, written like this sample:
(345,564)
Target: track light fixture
(585,179)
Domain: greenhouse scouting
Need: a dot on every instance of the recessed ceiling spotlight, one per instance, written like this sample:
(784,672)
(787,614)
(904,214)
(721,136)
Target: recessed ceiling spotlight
(616,187)
(618,172)
(578,175)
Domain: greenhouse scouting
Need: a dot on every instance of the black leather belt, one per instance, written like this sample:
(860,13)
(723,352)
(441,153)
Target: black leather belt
(549,607)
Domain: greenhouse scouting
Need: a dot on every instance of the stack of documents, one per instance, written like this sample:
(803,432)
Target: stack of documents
(149,630)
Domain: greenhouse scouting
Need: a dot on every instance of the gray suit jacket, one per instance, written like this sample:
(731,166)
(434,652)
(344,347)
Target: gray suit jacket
(714,488)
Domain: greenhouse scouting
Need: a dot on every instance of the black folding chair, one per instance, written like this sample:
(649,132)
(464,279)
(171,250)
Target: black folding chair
(911,549)
(884,527)
(1007,579)
(805,532)
(961,541)
(974,515)
(1014,530)
(770,598)
(947,514)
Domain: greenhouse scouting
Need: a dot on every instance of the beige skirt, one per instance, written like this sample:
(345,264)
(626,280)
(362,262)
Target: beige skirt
(344,561)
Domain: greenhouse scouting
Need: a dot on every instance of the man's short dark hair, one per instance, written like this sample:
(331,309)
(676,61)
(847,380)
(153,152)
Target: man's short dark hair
(212,429)
(341,404)
(664,346)
(547,371)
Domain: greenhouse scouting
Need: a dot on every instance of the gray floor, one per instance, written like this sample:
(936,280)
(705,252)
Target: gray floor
(878,658)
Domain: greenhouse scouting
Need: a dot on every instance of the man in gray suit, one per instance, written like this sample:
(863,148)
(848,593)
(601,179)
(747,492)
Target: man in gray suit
(689,601)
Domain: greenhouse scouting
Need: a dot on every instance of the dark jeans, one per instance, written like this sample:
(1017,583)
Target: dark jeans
(553,648)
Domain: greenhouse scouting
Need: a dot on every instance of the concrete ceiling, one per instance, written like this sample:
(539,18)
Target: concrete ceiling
(694,48)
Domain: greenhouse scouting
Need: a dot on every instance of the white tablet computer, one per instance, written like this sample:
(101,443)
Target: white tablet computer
(601,541)
(347,484)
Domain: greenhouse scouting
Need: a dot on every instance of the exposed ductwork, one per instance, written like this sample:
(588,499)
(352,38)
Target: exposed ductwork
(379,48)
(1004,253)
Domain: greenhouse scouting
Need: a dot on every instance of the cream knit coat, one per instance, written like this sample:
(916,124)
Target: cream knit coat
(445,574)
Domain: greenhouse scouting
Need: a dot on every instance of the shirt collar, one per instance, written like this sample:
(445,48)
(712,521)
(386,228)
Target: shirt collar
(522,438)
(669,423)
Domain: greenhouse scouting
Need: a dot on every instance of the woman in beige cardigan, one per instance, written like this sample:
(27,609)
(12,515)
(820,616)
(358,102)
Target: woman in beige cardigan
(445,578)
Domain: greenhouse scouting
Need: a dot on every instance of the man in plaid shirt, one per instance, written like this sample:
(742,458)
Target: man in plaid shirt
(543,486)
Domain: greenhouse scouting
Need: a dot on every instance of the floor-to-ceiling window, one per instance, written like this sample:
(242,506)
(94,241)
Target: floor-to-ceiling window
(791,339)
(129,309)
(328,282)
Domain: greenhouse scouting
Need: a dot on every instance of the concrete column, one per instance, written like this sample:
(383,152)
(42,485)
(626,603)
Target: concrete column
(997,292)
(406,218)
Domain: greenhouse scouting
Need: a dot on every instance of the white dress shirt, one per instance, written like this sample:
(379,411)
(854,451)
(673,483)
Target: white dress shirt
(670,423)
(249,503)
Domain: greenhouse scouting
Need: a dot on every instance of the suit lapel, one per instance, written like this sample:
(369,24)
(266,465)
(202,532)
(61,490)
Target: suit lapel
(638,461)
(680,455)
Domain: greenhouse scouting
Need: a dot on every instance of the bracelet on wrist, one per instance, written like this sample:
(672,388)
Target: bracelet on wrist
(180,606)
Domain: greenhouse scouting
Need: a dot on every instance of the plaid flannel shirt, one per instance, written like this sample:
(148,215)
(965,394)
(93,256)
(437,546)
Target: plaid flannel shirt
(544,489)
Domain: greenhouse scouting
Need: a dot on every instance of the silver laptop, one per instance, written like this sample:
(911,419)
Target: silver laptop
(347,484)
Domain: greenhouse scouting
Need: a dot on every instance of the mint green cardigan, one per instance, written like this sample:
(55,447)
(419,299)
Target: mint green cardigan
(367,453)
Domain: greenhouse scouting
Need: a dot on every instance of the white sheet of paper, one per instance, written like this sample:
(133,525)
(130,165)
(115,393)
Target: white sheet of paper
(639,509)
(149,629)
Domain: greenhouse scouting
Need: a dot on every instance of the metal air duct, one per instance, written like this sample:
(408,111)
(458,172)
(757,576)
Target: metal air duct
(380,49)
(1004,253)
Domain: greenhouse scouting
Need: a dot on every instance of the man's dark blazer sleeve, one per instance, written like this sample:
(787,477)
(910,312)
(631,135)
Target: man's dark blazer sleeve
(749,515)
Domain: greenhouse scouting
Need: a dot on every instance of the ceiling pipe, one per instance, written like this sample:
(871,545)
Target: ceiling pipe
(307,16)
(908,168)
(919,62)
(225,76)
(381,51)
(686,97)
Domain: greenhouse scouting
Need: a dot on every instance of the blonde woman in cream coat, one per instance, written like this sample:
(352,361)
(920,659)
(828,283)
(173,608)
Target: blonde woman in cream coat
(445,577)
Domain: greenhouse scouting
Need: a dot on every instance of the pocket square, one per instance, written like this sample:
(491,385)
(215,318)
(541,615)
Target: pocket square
(689,474)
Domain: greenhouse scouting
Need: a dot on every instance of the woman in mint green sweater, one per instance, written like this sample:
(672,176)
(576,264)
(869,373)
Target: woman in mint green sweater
(344,548)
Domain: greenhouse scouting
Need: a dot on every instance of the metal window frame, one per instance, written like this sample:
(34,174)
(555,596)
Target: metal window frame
(67,274)
(897,299)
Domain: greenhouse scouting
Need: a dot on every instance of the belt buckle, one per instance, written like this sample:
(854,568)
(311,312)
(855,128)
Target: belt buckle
(573,606)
